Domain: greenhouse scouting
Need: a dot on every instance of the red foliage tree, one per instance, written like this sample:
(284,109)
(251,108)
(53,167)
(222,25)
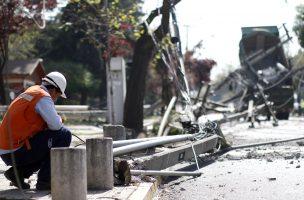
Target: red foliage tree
(198,70)
(120,45)
(16,16)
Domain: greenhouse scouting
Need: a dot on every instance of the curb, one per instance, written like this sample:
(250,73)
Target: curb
(145,191)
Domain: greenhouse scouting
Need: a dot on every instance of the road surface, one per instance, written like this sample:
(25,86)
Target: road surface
(264,172)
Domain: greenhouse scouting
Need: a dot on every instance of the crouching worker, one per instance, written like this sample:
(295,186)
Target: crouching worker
(30,128)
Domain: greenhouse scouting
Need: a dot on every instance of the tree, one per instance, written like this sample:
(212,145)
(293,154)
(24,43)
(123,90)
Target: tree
(16,16)
(104,26)
(22,46)
(71,39)
(299,24)
(143,52)
(198,70)
(80,80)
(62,51)
(100,31)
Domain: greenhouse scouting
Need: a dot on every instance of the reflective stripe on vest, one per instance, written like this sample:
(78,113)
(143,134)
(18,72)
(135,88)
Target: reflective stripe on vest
(26,97)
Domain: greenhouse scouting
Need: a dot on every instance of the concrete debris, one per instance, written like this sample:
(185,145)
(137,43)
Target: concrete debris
(288,157)
(148,179)
(122,172)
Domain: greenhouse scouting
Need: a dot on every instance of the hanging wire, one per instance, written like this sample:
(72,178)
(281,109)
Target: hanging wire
(12,154)
(32,16)
(195,156)
(83,142)
(203,131)
(166,60)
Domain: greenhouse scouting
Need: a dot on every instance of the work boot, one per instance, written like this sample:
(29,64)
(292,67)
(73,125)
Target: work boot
(10,175)
(42,185)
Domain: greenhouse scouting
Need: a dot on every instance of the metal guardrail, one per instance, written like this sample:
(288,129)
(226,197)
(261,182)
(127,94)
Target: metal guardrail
(73,112)
(3,108)
(59,108)
(82,115)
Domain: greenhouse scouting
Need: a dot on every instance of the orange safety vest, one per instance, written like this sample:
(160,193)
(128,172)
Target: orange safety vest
(21,122)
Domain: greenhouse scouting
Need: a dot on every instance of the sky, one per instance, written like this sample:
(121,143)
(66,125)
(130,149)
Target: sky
(218,24)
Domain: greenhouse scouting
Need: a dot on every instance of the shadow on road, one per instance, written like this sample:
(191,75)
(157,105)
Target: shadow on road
(11,194)
(203,161)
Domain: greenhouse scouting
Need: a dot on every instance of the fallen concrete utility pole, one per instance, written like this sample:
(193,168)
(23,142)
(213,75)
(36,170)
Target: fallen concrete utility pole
(144,145)
(120,143)
(164,173)
(170,157)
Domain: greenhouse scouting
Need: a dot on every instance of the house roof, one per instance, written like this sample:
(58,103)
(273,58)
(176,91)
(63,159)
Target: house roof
(21,67)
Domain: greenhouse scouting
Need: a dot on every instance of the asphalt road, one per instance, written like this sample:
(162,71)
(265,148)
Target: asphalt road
(272,172)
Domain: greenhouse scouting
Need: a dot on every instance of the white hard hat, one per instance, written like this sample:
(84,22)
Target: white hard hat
(57,80)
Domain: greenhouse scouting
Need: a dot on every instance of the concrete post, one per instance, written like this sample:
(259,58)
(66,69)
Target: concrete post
(116,132)
(116,87)
(100,163)
(69,173)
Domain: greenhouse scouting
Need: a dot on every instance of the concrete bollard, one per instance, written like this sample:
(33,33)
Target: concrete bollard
(100,163)
(69,173)
(117,132)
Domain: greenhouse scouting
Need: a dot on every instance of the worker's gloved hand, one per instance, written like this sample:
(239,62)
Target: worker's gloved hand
(62,117)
